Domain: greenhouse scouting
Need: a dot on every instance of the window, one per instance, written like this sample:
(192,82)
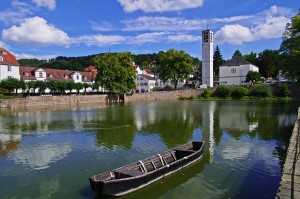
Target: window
(50,75)
(40,74)
(233,70)
(77,77)
(26,74)
(1,58)
(8,67)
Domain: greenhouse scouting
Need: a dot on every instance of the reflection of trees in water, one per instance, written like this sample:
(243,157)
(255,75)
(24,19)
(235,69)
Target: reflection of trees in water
(174,123)
(115,127)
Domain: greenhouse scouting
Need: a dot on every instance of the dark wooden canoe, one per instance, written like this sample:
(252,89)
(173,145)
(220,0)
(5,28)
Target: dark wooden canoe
(137,175)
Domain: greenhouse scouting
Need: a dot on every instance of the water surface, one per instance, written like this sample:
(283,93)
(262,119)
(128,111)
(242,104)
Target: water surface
(49,152)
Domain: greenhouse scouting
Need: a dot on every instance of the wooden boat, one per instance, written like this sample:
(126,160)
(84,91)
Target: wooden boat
(134,176)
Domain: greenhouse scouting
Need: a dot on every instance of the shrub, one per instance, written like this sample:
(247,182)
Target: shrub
(261,90)
(168,88)
(239,92)
(284,91)
(223,91)
(206,93)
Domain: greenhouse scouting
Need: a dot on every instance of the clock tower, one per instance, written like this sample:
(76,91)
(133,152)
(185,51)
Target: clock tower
(207,58)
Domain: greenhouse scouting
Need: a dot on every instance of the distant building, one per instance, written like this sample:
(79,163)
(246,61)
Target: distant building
(9,65)
(234,71)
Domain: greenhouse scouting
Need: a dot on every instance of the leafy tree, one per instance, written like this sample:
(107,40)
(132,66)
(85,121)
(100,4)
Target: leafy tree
(268,62)
(31,85)
(41,86)
(218,61)
(261,90)
(290,48)
(223,91)
(239,92)
(13,83)
(78,86)
(252,76)
(70,86)
(238,53)
(61,86)
(85,86)
(115,72)
(175,65)
(251,57)
(52,85)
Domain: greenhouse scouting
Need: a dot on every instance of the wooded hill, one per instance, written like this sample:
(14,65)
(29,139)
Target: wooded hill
(79,63)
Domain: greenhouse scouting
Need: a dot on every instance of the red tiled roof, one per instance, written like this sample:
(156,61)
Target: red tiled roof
(8,58)
(147,77)
(148,71)
(28,73)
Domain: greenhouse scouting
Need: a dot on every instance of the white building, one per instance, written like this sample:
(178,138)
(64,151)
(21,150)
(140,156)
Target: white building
(145,83)
(207,58)
(234,71)
(9,65)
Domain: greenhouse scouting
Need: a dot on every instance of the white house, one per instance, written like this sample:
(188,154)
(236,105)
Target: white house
(234,71)
(145,83)
(9,65)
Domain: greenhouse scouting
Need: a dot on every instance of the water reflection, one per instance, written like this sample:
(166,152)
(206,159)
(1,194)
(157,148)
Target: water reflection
(243,140)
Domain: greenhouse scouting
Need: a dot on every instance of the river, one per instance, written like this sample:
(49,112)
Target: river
(49,152)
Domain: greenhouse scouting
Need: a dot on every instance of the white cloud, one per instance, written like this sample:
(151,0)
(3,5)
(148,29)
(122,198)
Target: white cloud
(159,5)
(4,45)
(36,31)
(233,34)
(102,26)
(39,57)
(184,38)
(162,24)
(99,40)
(50,4)
(16,14)
(265,25)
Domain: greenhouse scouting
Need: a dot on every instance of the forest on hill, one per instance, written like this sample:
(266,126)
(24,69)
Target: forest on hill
(79,63)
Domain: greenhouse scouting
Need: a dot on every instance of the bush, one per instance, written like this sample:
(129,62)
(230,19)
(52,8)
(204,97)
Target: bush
(168,88)
(206,93)
(284,91)
(239,92)
(261,90)
(223,91)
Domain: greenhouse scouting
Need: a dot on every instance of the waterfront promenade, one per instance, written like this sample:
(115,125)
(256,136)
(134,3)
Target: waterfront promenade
(289,186)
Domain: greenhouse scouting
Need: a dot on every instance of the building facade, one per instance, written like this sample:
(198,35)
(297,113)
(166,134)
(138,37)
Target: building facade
(234,71)
(9,65)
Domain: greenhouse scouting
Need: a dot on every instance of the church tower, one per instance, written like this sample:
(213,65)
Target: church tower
(207,58)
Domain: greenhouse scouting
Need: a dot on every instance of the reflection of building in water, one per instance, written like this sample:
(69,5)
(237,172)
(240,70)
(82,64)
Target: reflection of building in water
(208,128)
(231,119)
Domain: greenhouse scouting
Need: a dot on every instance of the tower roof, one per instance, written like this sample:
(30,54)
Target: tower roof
(6,58)
(235,61)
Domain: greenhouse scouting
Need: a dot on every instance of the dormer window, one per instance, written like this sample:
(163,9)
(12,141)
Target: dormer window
(85,78)
(25,74)
(50,75)
(77,77)
(40,74)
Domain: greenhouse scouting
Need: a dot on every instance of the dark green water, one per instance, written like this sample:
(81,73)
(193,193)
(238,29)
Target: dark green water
(49,152)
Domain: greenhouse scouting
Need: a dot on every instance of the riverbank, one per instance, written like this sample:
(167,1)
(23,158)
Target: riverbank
(84,99)
(290,181)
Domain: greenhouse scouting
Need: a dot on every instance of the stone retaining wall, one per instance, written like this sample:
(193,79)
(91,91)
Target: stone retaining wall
(80,99)
(162,95)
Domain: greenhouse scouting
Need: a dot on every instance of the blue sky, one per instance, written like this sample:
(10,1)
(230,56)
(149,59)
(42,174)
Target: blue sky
(45,29)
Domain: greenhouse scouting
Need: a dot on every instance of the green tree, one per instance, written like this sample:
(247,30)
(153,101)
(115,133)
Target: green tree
(61,86)
(218,61)
(268,63)
(251,58)
(70,86)
(52,85)
(78,86)
(31,85)
(175,65)
(116,72)
(252,76)
(13,84)
(290,48)
(238,53)
(41,85)
(85,86)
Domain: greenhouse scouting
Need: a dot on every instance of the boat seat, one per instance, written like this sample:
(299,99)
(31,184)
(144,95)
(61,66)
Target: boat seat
(126,173)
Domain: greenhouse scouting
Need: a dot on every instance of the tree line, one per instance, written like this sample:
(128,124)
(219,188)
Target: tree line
(55,86)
